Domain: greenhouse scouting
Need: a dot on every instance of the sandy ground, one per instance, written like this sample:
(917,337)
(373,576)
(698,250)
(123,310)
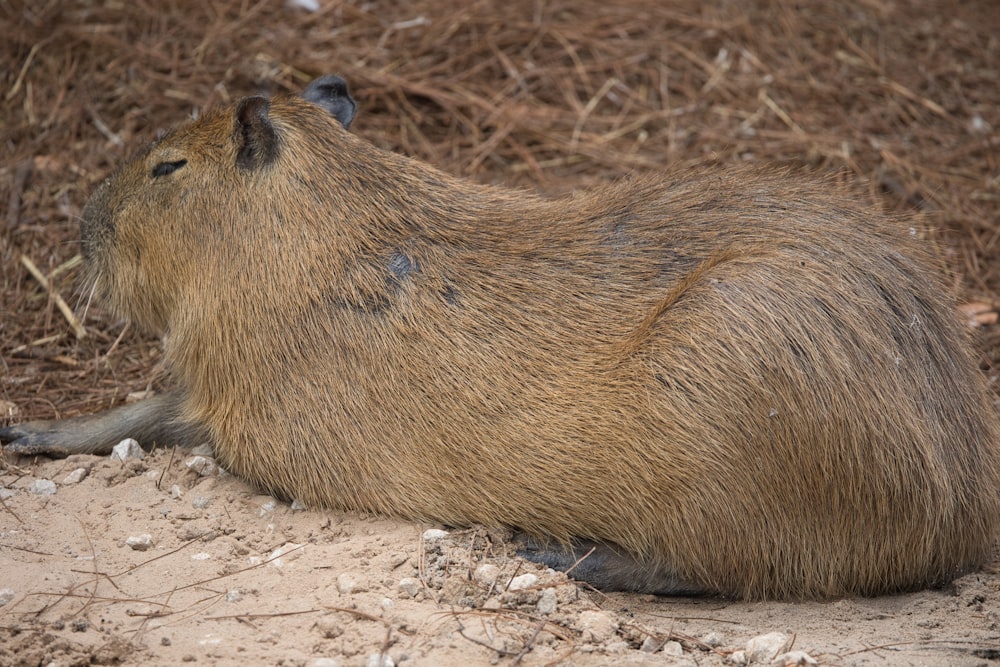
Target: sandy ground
(229,577)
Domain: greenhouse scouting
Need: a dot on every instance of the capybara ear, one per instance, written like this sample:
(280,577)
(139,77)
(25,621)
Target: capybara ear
(330,92)
(255,135)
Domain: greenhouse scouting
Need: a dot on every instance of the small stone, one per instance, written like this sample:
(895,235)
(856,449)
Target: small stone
(43,487)
(387,604)
(234,595)
(409,586)
(127,449)
(6,595)
(380,660)
(596,626)
(673,648)
(650,645)
(324,662)
(763,648)
(75,477)
(396,559)
(616,647)
(298,505)
(434,534)
(286,552)
(175,492)
(268,506)
(713,639)
(794,659)
(202,465)
(201,502)
(79,625)
(523,581)
(486,574)
(202,556)
(548,602)
(738,657)
(142,542)
(348,583)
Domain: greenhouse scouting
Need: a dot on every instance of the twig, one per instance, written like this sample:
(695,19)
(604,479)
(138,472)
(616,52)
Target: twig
(67,312)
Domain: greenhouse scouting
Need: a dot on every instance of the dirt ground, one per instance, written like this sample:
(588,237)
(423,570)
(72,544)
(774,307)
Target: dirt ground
(230,577)
(899,98)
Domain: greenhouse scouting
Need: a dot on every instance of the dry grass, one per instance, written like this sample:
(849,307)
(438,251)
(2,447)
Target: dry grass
(900,97)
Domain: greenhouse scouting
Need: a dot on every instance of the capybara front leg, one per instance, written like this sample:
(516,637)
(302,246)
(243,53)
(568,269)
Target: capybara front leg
(153,421)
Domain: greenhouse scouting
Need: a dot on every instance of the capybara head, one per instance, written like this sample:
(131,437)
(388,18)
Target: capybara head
(195,199)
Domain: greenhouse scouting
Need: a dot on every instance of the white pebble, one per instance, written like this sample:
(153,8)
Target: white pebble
(380,660)
(548,602)
(521,582)
(127,449)
(140,542)
(596,626)
(348,583)
(201,556)
(43,487)
(738,657)
(76,476)
(202,465)
(286,552)
(387,604)
(268,506)
(649,645)
(673,648)
(794,659)
(410,586)
(201,502)
(175,492)
(324,662)
(486,574)
(234,595)
(434,534)
(763,648)
(713,639)
(298,505)
(6,595)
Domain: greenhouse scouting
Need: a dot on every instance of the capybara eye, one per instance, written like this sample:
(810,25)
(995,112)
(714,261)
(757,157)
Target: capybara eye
(165,168)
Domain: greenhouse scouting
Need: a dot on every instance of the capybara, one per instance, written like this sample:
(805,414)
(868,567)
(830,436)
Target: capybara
(732,381)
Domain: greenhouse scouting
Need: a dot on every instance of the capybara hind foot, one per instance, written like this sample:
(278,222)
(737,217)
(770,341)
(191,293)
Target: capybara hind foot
(605,566)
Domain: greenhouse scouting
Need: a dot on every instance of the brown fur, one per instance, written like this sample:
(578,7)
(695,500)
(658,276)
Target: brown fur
(736,377)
